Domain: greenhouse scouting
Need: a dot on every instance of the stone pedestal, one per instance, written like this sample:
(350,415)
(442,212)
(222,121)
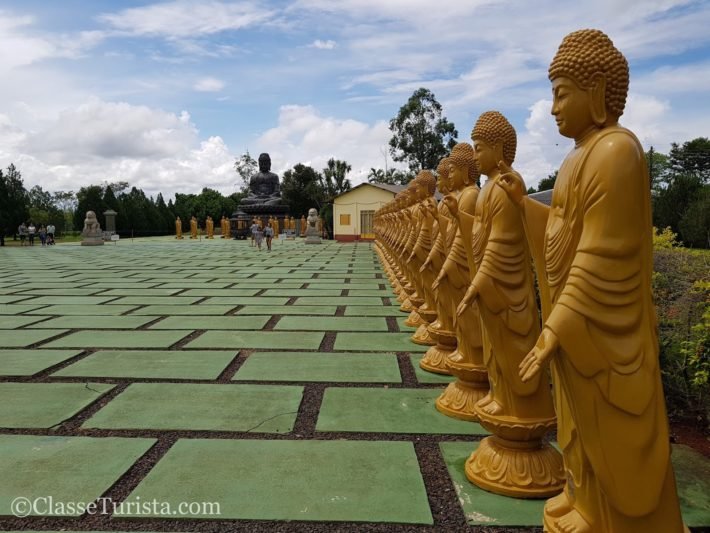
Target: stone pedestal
(92,241)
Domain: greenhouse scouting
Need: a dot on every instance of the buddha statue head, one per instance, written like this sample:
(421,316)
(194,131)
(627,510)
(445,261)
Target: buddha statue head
(494,140)
(590,82)
(463,160)
(443,172)
(264,163)
(426,184)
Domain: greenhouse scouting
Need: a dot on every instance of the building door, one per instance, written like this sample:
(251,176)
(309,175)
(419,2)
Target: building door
(366,229)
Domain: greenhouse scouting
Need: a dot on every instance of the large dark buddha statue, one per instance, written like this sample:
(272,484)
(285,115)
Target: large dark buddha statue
(264,186)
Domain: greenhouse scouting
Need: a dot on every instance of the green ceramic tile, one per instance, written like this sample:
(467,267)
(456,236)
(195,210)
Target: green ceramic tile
(384,410)
(156,300)
(376,342)
(28,362)
(71,300)
(119,339)
(332,323)
(25,337)
(249,323)
(339,300)
(289,366)
(65,469)
(84,310)
(8,299)
(138,291)
(258,339)
(245,300)
(380,310)
(257,408)
(287,310)
(202,292)
(151,364)
(42,405)
(12,322)
(13,309)
(294,480)
(96,322)
(191,310)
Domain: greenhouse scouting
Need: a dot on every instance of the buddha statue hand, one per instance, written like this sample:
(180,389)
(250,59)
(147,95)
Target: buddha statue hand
(512,183)
(545,347)
(452,204)
(425,265)
(438,280)
(467,300)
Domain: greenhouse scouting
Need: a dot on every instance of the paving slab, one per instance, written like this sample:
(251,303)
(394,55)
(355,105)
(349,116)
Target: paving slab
(336,323)
(245,300)
(250,291)
(248,323)
(213,407)
(196,310)
(427,377)
(96,322)
(258,339)
(294,480)
(156,300)
(70,300)
(42,405)
(63,291)
(311,291)
(368,310)
(29,362)
(8,299)
(150,364)
(25,337)
(315,367)
(194,284)
(384,410)
(119,339)
(66,469)
(140,291)
(377,342)
(287,310)
(338,300)
(13,322)
(13,309)
(83,310)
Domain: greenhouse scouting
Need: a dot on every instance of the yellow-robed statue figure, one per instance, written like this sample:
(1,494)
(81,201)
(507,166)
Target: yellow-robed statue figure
(592,249)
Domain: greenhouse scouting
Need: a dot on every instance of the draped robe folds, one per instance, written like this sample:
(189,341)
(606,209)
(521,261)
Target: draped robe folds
(506,300)
(594,247)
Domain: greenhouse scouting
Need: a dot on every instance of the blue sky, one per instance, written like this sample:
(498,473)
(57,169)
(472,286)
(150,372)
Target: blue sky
(166,95)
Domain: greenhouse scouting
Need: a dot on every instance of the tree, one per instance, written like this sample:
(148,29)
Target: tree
(391,176)
(548,183)
(420,135)
(302,189)
(693,158)
(334,178)
(14,201)
(246,166)
(89,198)
(66,202)
(658,168)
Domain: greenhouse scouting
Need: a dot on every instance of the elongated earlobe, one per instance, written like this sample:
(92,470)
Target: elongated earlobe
(598,100)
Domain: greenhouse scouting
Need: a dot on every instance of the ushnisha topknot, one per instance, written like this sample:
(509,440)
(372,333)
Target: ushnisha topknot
(583,54)
(493,127)
(463,154)
(427,179)
(442,168)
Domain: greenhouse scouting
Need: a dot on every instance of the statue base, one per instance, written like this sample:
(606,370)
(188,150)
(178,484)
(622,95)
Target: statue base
(313,239)
(514,461)
(414,320)
(435,358)
(406,306)
(459,399)
(422,336)
(92,241)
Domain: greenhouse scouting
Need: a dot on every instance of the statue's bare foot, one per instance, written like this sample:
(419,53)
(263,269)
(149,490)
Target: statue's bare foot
(573,522)
(488,398)
(492,408)
(558,505)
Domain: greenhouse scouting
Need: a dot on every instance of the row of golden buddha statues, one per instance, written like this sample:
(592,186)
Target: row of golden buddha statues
(289,224)
(585,360)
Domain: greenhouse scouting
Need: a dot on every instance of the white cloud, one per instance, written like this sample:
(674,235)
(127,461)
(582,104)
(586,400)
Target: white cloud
(303,135)
(209,85)
(185,19)
(322,45)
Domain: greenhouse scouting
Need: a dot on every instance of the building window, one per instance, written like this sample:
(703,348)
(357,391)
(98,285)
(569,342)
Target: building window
(345,220)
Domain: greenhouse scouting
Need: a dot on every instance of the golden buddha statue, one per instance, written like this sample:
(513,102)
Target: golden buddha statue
(592,249)
(178,228)
(466,362)
(224,227)
(514,461)
(193,228)
(275,227)
(209,225)
(304,225)
(442,329)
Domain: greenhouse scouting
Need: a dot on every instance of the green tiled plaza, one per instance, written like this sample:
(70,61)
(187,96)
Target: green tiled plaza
(66,469)
(259,408)
(294,480)
(266,390)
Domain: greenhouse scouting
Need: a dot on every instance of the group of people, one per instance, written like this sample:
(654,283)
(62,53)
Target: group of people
(28,232)
(464,267)
(259,232)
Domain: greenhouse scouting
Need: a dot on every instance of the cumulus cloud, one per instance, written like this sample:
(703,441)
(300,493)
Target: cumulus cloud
(322,45)
(303,135)
(209,85)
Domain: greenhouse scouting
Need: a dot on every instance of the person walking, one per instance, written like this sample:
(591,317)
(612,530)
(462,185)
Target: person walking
(42,234)
(259,236)
(269,234)
(254,228)
(50,234)
(31,230)
(22,232)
